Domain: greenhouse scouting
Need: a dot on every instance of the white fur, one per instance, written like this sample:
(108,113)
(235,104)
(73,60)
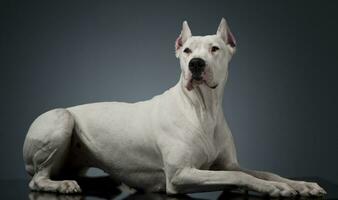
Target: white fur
(176,142)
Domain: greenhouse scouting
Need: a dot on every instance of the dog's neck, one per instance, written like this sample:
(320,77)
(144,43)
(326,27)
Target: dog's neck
(205,101)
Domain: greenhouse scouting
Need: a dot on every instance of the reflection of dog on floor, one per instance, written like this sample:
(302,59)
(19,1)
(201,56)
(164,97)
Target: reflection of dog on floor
(176,142)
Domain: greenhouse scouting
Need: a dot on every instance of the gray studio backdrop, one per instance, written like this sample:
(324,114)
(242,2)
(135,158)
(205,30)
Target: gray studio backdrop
(280,101)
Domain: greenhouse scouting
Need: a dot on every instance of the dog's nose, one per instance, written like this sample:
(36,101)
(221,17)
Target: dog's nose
(196,66)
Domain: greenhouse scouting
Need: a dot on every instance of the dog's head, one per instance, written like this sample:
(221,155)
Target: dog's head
(204,59)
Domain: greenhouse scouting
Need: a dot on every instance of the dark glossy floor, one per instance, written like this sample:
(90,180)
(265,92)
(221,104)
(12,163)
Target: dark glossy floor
(102,188)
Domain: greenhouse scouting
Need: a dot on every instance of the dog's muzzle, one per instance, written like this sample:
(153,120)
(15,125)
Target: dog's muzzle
(196,67)
(198,75)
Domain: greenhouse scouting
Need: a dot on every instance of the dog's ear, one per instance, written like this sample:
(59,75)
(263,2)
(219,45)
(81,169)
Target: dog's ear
(183,37)
(224,32)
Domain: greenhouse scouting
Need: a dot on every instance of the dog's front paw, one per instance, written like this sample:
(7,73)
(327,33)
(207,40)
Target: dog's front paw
(307,188)
(275,189)
(283,190)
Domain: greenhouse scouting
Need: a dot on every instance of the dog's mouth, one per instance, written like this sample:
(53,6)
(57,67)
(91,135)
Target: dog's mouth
(198,81)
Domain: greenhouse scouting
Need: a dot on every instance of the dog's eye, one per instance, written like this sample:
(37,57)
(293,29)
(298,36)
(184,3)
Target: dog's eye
(187,50)
(214,49)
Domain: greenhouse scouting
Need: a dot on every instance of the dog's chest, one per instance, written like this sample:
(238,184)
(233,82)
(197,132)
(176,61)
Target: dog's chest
(202,140)
(209,152)
(205,147)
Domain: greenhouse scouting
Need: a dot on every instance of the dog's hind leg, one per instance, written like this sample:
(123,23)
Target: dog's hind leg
(45,151)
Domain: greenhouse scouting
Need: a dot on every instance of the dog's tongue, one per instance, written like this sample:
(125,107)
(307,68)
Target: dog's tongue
(189,85)
(191,82)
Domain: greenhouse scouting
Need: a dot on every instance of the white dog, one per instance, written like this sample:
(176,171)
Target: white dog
(176,142)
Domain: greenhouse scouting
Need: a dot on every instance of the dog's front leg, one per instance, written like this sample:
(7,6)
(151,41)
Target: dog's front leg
(195,180)
(302,187)
(228,161)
